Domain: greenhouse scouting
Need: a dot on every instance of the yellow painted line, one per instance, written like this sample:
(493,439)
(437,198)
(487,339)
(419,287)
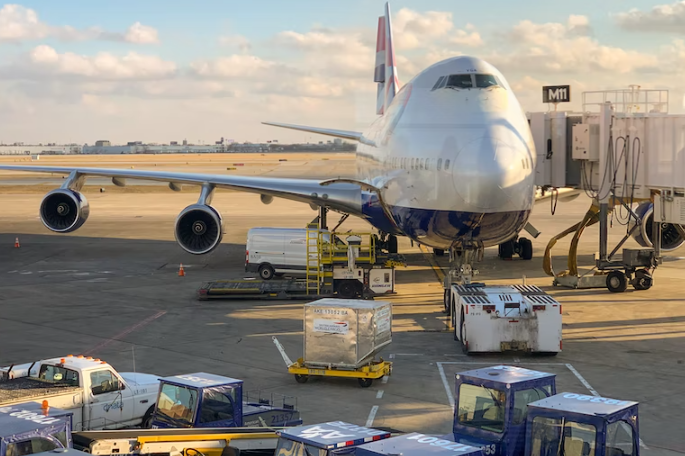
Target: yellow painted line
(215,324)
(436,267)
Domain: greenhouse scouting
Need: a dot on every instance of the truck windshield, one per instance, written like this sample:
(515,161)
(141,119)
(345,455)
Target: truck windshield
(31,446)
(287,447)
(557,437)
(177,402)
(481,407)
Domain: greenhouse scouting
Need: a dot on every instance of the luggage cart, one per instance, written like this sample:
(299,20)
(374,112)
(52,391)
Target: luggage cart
(365,375)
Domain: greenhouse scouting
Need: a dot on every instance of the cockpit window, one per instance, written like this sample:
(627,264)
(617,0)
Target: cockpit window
(467,81)
(486,80)
(460,81)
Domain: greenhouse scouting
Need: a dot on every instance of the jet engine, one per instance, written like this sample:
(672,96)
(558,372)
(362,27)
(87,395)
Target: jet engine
(199,229)
(64,211)
(671,239)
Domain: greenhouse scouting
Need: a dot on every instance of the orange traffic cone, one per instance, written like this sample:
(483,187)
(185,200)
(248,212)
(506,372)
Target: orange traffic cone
(181,271)
(16,243)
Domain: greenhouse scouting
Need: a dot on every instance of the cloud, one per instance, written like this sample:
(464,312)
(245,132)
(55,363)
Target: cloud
(44,62)
(238,41)
(18,24)
(661,18)
(236,66)
(141,34)
(565,48)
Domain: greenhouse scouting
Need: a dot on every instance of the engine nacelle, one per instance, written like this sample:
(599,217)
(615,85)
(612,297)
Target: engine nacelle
(670,237)
(199,229)
(64,211)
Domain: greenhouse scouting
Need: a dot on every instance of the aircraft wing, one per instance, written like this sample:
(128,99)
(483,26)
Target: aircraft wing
(345,197)
(344,134)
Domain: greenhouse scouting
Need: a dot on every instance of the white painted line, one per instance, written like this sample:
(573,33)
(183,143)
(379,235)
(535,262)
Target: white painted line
(516,360)
(385,379)
(391,355)
(448,389)
(582,380)
(379,394)
(372,415)
(593,391)
(491,363)
(408,354)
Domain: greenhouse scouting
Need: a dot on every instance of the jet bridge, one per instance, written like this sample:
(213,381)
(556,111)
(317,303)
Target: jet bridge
(627,153)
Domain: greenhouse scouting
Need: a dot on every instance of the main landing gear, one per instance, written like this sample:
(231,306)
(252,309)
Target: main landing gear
(523,247)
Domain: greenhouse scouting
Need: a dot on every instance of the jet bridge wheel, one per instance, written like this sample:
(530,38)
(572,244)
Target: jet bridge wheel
(617,282)
(643,280)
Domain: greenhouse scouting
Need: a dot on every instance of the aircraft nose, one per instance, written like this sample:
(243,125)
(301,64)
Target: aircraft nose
(485,172)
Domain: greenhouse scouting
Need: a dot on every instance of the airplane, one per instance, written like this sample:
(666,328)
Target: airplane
(448,163)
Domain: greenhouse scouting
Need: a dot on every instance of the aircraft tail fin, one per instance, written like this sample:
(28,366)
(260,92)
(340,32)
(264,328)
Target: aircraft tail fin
(385,73)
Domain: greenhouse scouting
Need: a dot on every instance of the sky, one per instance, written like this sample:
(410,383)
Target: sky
(77,71)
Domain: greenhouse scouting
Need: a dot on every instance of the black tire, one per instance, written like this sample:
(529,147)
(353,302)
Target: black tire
(347,289)
(266,272)
(525,249)
(439,252)
(365,382)
(617,282)
(147,418)
(643,280)
(392,244)
(301,378)
(506,250)
(462,330)
(446,302)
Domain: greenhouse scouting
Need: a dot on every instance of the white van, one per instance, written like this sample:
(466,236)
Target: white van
(277,251)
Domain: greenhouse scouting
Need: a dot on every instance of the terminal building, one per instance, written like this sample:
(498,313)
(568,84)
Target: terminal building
(40,149)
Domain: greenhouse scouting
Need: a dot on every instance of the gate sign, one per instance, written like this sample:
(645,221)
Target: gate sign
(556,94)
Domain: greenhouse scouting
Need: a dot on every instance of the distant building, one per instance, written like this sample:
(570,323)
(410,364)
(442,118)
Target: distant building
(21,149)
(102,143)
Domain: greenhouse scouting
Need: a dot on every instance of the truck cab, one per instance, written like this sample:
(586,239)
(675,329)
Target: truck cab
(31,428)
(491,406)
(327,439)
(207,400)
(97,395)
(581,425)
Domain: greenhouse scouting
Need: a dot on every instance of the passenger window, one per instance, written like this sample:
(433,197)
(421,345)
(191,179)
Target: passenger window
(58,375)
(620,440)
(460,81)
(103,382)
(439,164)
(486,80)
(447,165)
(422,164)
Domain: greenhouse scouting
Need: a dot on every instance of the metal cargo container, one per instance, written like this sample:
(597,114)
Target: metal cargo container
(345,333)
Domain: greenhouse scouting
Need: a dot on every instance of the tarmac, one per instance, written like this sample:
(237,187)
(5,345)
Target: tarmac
(111,290)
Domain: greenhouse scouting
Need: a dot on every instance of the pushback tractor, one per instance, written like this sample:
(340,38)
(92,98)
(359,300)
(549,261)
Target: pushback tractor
(504,318)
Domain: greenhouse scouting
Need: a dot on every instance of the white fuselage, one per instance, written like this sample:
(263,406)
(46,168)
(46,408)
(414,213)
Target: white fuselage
(455,164)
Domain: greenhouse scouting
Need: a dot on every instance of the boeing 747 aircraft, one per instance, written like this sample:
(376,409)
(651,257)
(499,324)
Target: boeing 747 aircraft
(449,163)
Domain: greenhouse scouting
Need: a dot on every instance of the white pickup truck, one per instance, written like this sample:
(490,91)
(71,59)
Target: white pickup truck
(99,396)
